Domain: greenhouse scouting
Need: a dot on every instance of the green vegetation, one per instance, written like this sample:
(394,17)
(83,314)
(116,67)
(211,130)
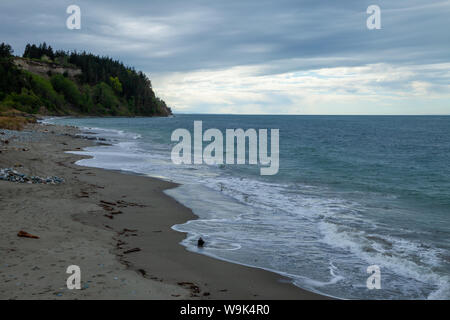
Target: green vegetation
(68,89)
(104,87)
(11,79)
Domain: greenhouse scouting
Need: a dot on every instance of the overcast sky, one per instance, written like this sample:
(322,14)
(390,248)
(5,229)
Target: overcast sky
(278,56)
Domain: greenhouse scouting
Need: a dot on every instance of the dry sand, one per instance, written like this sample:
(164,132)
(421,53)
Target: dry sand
(92,220)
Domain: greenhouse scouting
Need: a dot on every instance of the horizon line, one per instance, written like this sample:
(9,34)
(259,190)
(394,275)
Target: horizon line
(300,114)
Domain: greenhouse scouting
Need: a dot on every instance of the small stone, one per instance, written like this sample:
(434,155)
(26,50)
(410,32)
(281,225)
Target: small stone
(200,243)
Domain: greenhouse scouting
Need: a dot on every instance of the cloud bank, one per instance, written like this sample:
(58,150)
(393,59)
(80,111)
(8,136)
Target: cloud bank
(311,57)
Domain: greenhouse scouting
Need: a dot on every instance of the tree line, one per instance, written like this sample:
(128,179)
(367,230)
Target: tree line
(105,86)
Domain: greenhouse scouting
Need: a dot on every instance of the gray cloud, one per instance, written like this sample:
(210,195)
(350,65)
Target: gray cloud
(162,37)
(184,35)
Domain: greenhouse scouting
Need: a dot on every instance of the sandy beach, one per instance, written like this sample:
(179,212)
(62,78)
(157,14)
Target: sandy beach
(116,227)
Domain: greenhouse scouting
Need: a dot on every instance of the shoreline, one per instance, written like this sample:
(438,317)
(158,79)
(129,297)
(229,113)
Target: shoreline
(130,221)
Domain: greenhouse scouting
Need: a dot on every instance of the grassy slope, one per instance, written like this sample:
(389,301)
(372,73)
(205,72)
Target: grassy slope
(50,93)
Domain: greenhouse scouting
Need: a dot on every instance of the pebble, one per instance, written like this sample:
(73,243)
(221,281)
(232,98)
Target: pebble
(9,174)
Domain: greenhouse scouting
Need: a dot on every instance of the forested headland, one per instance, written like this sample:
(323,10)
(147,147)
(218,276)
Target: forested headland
(48,82)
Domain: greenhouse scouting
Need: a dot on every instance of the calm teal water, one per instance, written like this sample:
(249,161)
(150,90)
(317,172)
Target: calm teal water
(352,191)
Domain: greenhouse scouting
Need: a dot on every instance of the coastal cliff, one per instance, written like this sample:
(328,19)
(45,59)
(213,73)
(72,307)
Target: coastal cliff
(45,69)
(49,82)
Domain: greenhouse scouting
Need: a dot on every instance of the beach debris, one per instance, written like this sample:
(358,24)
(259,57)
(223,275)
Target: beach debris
(94,185)
(120,243)
(109,206)
(125,230)
(106,208)
(24,234)
(190,286)
(9,174)
(124,204)
(132,250)
(131,235)
(83,194)
(108,203)
(200,243)
(109,216)
(111,210)
(142,272)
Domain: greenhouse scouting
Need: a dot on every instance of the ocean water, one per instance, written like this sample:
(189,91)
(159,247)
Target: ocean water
(351,192)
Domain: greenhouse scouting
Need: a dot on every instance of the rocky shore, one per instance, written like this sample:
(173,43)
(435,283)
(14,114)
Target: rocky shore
(9,174)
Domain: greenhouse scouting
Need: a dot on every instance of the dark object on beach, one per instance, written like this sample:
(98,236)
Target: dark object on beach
(142,272)
(83,194)
(107,208)
(108,203)
(200,243)
(124,204)
(132,250)
(128,230)
(24,234)
(120,243)
(191,286)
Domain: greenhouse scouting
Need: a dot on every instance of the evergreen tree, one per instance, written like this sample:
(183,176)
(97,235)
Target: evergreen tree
(105,86)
